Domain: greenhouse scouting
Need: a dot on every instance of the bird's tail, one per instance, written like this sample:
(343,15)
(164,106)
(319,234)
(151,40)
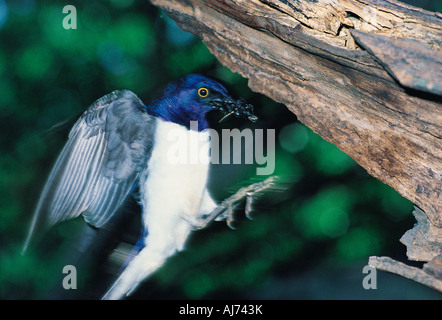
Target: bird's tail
(141,267)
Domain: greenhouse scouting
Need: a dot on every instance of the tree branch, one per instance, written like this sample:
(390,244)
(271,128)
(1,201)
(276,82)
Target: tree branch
(424,241)
(413,273)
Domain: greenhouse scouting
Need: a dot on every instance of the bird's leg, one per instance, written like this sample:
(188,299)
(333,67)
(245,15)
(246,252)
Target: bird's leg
(227,206)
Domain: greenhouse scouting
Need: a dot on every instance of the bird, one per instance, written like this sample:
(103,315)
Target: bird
(120,146)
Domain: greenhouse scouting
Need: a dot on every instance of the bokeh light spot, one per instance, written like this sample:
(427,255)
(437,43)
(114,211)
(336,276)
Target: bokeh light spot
(293,137)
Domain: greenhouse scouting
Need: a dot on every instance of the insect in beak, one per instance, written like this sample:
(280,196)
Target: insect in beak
(227,115)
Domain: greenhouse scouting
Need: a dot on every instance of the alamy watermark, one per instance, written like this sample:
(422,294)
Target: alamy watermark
(237,147)
(370,281)
(70,20)
(70,280)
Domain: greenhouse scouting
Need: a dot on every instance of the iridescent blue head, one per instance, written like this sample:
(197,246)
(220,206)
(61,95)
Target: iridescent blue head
(191,97)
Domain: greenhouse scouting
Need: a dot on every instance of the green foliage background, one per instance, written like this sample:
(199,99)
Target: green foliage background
(310,242)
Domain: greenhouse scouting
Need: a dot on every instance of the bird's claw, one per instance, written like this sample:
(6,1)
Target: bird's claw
(227,207)
(249,206)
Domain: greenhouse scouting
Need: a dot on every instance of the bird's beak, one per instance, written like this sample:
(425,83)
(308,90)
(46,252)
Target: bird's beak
(238,108)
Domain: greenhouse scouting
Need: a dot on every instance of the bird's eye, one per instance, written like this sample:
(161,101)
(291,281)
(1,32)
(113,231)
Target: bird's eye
(203,92)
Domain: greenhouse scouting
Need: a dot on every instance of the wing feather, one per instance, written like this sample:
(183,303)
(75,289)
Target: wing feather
(75,177)
(107,149)
(90,179)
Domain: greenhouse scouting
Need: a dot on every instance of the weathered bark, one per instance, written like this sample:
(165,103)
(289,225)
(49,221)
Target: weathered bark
(429,275)
(366,75)
(424,241)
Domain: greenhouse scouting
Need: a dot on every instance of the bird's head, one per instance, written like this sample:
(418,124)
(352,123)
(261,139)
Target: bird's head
(191,97)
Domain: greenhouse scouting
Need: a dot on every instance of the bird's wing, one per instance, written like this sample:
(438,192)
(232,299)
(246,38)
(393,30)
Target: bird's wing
(99,165)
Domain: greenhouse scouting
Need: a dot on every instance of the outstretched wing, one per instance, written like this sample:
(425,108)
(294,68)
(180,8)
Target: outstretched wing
(108,147)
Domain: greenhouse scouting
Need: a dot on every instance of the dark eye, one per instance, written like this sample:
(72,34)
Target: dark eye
(203,92)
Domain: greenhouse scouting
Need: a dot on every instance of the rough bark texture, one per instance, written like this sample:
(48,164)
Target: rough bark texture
(424,241)
(366,75)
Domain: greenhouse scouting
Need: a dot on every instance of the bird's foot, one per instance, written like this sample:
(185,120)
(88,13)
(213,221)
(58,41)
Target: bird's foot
(225,210)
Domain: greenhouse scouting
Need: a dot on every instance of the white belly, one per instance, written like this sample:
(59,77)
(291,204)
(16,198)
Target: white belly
(176,184)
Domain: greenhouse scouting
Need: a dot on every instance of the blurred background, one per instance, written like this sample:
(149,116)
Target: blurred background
(310,242)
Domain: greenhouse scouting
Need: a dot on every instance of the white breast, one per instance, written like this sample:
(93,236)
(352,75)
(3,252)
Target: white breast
(176,182)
